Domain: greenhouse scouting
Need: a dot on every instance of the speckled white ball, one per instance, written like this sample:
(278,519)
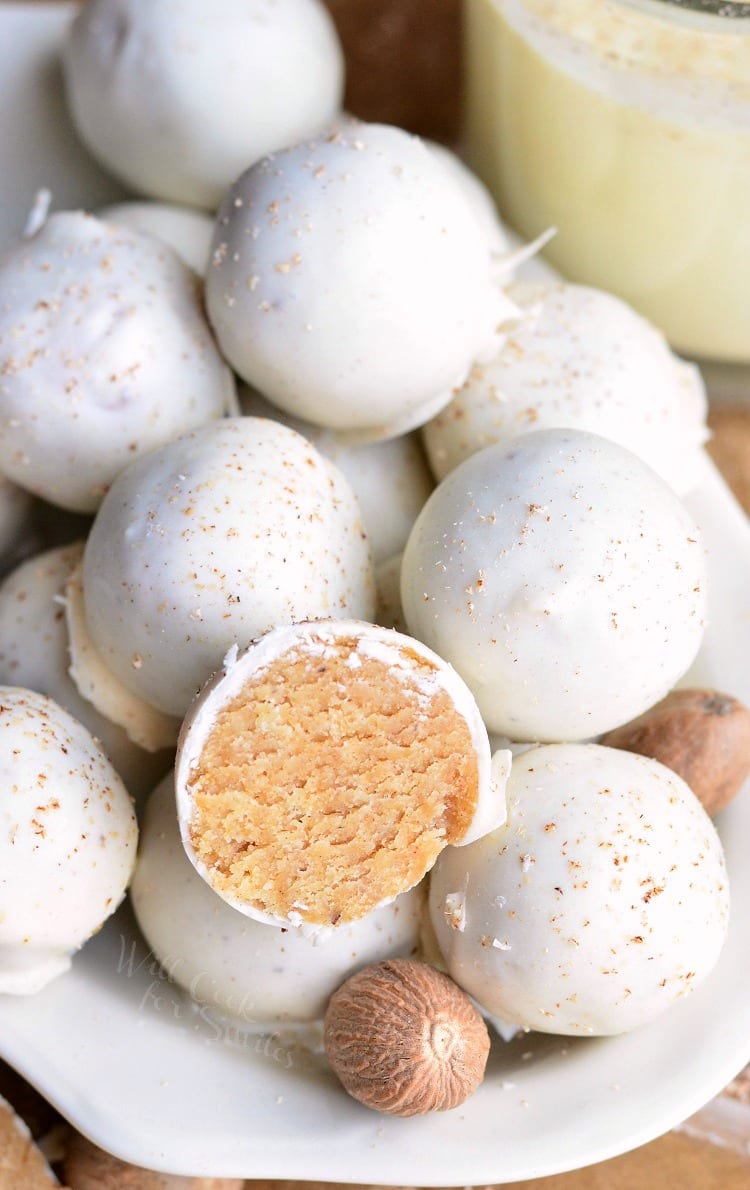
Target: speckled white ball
(601,902)
(564,581)
(187,232)
(317,642)
(232,529)
(242,967)
(476,193)
(177,97)
(390,479)
(145,725)
(351,283)
(34,652)
(105,354)
(67,839)
(580,359)
(501,240)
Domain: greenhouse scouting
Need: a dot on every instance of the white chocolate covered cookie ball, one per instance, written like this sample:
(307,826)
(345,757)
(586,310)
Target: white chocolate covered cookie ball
(239,966)
(104,355)
(563,579)
(145,725)
(390,479)
(67,843)
(228,531)
(351,283)
(177,97)
(187,232)
(476,193)
(584,360)
(34,653)
(322,771)
(601,902)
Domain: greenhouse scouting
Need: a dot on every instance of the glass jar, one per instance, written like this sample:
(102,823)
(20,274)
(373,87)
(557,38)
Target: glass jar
(626,125)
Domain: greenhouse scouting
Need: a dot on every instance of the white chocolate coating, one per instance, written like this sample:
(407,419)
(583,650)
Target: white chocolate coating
(187,232)
(502,242)
(217,537)
(351,283)
(582,360)
(68,839)
(104,355)
(34,652)
(382,643)
(499,239)
(147,727)
(177,97)
(563,579)
(601,902)
(535,269)
(390,479)
(239,966)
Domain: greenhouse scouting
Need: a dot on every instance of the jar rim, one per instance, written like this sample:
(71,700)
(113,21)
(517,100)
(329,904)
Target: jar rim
(736,10)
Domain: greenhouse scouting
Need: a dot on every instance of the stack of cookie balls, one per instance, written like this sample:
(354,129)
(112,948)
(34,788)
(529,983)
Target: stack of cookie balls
(281,626)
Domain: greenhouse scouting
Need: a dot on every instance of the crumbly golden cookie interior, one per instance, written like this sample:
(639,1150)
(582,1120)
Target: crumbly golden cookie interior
(331,782)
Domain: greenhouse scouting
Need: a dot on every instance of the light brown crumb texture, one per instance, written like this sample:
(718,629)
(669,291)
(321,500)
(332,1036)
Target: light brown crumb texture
(326,787)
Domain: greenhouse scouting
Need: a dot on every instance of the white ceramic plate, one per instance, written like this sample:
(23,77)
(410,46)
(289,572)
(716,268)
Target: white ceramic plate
(147,1076)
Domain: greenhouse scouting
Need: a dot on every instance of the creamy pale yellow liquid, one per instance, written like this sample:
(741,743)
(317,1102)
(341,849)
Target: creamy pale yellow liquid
(631,135)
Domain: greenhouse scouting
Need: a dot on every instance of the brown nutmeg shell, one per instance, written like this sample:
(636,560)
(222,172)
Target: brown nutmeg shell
(87,1167)
(702,735)
(404,1039)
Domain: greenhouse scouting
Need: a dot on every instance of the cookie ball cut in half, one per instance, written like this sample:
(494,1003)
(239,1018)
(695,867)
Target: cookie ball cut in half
(214,539)
(177,97)
(351,282)
(563,579)
(244,968)
(68,839)
(105,354)
(601,901)
(322,772)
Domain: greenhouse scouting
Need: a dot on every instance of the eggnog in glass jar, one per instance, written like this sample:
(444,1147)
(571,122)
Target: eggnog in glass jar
(626,125)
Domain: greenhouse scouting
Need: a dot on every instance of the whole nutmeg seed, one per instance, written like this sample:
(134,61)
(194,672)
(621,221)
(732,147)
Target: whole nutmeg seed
(87,1167)
(404,1039)
(702,735)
